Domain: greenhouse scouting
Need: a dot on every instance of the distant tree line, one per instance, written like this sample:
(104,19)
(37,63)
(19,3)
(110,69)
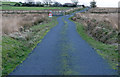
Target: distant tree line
(55,4)
(32,4)
(47,3)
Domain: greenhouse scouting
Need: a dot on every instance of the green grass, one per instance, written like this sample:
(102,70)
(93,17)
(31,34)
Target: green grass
(5,6)
(30,8)
(108,52)
(12,54)
(16,51)
(8,3)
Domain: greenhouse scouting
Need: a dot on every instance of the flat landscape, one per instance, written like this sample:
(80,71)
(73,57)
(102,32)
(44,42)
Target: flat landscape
(10,6)
(78,41)
(31,8)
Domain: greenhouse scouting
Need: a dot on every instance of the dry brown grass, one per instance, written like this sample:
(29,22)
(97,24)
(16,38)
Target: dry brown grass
(104,14)
(15,22)
(112,18)
(103,10)
(102,27)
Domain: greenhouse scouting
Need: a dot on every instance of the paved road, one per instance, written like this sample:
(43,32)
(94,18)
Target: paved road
(64,52)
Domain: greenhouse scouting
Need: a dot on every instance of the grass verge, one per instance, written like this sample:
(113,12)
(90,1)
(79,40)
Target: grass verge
(15,51)
(108,52)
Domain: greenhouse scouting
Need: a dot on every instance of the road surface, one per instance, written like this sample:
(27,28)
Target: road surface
(64,52)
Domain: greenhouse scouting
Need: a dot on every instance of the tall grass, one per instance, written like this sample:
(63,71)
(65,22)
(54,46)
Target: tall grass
(12,23)
(100,27)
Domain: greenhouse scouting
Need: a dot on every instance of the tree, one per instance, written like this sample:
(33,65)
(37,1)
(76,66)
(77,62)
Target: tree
(75,2)
(57,4)
(93,4)
(38,3)
(29,3)
(47,2)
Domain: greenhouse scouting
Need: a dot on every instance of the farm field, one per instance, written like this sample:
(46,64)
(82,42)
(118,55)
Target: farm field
(8,3)
(10,6)
(31,8)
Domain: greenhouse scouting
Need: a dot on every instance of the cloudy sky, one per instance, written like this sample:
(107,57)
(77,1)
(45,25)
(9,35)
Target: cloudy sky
(100,3)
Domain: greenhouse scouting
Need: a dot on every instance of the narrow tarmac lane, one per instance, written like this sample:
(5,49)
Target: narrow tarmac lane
(64,52)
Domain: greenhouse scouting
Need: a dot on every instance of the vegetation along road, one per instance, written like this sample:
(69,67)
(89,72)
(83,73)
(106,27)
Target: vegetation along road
(64,52)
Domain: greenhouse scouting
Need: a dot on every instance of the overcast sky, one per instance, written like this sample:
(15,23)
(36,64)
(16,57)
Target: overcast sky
(100,3)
